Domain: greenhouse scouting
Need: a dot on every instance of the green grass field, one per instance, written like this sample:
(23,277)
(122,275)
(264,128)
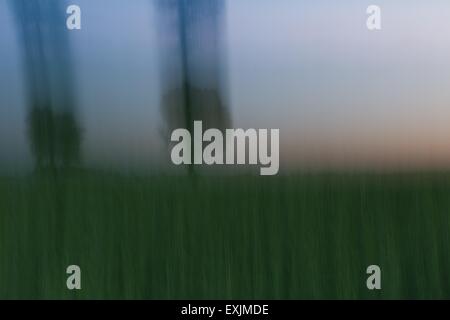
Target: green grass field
(304,236)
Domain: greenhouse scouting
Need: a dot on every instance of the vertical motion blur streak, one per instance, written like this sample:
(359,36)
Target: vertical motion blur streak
(52,123)
(190,40)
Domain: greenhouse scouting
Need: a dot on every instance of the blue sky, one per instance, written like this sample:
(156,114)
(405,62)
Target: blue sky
(341,96)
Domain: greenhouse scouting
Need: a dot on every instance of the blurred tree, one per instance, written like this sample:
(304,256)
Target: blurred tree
(190,39)
(53,129)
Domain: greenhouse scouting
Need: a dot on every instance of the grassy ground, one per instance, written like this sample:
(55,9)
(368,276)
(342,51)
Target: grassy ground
(308,236)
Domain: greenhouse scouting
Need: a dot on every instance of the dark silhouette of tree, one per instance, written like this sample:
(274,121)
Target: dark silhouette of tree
(52,124)
(190,34)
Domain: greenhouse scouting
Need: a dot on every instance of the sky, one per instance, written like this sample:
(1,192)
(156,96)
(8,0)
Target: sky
(342,96)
